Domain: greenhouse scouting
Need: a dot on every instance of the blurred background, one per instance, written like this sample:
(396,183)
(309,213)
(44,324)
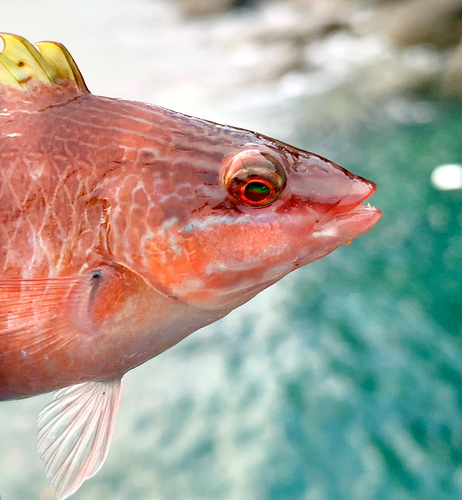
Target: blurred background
(344,380)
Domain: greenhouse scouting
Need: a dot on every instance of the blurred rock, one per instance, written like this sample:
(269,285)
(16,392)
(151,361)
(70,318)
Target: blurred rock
(452,79)
(413,22)
(207,7)
(294,21)
(266,62)
(270,41)
(371,48)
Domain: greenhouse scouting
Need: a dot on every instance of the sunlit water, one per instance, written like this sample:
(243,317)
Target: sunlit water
(343,381)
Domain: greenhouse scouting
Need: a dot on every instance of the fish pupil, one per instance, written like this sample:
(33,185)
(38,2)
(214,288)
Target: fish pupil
(256,191)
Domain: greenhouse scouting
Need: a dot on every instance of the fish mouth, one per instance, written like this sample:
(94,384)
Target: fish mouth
(345,227)
(354,220)
(357,221)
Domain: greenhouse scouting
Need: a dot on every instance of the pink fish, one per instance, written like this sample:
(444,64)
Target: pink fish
(124,228)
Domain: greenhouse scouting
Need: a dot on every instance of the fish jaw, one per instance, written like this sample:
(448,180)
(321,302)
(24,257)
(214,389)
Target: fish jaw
(341,230)
(272,247)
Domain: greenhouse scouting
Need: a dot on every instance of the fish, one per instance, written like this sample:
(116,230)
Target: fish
(125,227)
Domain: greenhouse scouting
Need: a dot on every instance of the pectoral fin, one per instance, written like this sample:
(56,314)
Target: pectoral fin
(36,315)
(75,432)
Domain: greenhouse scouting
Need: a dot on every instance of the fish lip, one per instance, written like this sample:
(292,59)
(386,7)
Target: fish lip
(360,209)
(347,226)
(357,221)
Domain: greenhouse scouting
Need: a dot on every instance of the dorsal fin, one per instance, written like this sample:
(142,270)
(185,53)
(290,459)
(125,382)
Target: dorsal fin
(22,63)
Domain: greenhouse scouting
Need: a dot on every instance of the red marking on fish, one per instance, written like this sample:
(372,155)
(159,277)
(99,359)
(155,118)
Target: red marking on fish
(125,227)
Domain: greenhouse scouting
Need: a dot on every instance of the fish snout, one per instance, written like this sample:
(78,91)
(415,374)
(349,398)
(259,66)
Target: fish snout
(327,186)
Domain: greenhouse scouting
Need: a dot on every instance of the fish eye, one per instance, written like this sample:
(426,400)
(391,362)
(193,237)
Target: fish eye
(254,178)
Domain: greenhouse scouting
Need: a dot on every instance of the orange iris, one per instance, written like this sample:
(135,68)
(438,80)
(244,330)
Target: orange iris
(258,191)
(254,178)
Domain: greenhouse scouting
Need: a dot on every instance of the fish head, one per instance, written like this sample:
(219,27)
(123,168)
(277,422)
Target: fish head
(206,214)
(246,211)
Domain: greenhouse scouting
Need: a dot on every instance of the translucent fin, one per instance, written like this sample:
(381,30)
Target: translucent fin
(75,432)
(36,316)
(21,63)
(40,316)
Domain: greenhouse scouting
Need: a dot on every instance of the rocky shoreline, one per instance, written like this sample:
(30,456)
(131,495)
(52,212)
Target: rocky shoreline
(394,45)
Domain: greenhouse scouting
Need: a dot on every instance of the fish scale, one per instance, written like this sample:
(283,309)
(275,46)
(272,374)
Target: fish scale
(36,227)
(126,227)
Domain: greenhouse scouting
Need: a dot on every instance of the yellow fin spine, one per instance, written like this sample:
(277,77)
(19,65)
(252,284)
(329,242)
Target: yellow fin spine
(6,76)
(22,63)
(60,59)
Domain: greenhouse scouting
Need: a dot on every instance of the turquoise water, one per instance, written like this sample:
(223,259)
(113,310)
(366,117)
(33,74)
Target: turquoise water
(386,320)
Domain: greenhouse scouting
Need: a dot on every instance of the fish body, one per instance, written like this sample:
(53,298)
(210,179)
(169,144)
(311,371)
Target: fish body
(124,228)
